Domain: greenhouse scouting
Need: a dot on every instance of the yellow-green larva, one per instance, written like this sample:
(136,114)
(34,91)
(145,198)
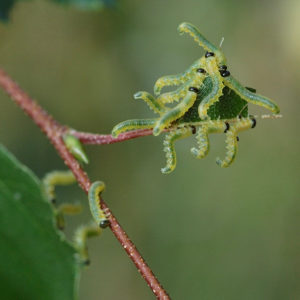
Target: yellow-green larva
(232,140)
(202,137)
(169,141)
(81,235)
(52,179)
(94,201)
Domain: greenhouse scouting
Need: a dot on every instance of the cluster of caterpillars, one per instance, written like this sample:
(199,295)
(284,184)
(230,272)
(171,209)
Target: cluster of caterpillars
(208,100)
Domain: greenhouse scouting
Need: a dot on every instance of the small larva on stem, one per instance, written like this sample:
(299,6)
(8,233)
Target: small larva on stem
(94,201)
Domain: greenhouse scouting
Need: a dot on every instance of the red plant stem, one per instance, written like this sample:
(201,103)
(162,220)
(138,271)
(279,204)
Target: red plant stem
(55,132)
(101,139)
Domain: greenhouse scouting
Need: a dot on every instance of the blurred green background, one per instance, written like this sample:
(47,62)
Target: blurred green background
(207,232)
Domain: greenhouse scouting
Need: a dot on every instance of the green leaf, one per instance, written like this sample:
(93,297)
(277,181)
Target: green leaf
(36,262)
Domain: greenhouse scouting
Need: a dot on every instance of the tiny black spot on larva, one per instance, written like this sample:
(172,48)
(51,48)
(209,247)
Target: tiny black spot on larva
(208,54)
(104,224)
(200,70)
(253,123)
(223,68)
(193,89)
(227,127)
(225,73)
(238,139)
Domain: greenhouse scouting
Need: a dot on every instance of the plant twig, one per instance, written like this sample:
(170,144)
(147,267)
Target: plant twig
(55,131)
(103,139)
(100,139)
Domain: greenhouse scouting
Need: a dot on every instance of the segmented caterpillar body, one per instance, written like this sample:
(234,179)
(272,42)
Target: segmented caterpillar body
(95,204)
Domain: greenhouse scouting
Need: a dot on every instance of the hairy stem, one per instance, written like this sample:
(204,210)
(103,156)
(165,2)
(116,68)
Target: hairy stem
(102,139)
(55,131)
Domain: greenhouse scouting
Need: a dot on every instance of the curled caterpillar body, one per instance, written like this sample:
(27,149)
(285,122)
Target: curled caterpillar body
(94,201)
(203,143)
(169,147)
(179,79)
(250,96)
(173,96)
(202,41)
(152,103)
(80,240)
(175,113)
(196,77)
(202,137)
(232,141)
(216,92)
(49,182)
(56,178)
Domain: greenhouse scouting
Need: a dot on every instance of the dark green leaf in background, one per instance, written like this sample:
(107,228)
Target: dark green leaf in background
(36,262)
(7,5)
(87,4)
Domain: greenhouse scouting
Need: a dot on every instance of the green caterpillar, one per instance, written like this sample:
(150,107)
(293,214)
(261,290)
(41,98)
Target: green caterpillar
(94,200)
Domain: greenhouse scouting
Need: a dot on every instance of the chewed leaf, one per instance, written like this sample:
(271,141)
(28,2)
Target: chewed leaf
(229,105)
(35,260)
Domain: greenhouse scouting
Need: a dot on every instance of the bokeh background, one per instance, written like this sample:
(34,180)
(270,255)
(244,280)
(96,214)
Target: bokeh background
(207,232)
